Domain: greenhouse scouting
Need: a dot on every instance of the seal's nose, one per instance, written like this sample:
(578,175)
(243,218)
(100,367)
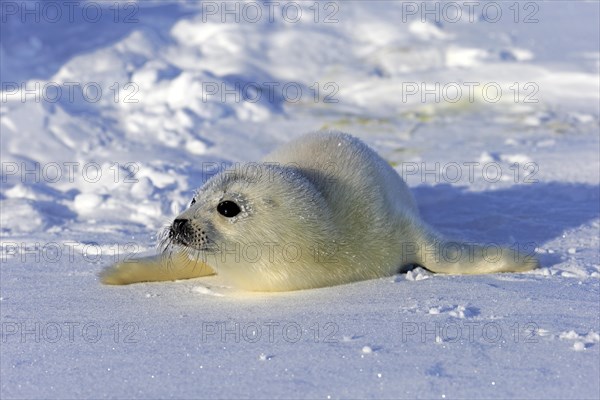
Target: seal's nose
(179,226)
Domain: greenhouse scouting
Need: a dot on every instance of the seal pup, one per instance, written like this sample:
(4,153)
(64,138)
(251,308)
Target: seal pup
(322,210)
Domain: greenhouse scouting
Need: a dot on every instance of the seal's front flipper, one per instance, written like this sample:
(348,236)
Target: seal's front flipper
(154,268)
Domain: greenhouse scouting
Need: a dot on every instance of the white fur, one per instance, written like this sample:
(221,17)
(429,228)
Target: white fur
(330,211)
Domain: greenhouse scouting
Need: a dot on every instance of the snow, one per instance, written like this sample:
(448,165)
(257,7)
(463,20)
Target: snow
(108,127)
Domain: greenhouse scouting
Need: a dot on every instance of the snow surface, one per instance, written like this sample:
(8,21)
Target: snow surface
(111,173)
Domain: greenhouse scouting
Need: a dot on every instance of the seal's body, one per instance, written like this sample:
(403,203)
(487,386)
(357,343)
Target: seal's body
(322,210)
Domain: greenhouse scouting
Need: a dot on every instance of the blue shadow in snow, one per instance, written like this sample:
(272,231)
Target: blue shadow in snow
(38,38)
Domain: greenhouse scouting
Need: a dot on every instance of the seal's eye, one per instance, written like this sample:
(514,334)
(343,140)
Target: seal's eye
(193,202)
(228,209)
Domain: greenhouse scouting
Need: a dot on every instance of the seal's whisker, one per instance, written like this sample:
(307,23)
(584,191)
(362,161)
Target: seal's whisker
(165,238)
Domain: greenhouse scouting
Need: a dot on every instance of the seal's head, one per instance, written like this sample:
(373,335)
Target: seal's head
(262,227)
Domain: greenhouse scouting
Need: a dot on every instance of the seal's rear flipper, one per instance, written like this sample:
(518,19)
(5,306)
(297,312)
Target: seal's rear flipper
(466,258)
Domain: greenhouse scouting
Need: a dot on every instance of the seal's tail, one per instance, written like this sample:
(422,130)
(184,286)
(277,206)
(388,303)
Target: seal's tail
(451,257)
